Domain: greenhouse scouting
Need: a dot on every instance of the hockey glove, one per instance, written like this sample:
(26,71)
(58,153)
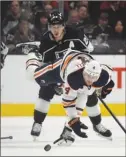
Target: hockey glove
(105,92)
(98,92)
(67,138)
(76,126)
(58,90)
(102,92)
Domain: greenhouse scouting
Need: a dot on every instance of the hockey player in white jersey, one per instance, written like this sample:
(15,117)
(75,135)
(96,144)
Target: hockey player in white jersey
(81,76)
(84,78)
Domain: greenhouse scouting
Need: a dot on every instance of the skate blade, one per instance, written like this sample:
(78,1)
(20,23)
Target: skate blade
(108,138)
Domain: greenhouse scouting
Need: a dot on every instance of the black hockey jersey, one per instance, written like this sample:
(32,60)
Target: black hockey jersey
(52,50)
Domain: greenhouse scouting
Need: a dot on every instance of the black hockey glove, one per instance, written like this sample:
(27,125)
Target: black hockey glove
(76,126)
(104,93)
(107,89)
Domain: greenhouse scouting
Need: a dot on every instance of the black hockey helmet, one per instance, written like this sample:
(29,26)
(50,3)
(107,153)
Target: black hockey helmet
(56,18)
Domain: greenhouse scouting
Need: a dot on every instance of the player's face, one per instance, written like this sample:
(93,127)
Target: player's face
(57,31)
(90,79)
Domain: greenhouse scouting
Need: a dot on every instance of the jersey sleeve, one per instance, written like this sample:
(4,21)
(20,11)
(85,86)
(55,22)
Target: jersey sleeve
(44,44)
(110,84)
(69,101)
(105,81)
(75,80)
(70,93)
(42,47)
(46,49)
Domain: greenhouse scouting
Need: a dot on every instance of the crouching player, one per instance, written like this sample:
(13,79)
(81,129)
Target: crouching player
(84,80)
(81,76)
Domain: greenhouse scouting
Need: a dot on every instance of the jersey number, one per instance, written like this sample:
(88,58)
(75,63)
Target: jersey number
(67,89)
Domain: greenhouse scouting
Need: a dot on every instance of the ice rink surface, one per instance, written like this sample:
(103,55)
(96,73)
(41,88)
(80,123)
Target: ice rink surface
(22,143)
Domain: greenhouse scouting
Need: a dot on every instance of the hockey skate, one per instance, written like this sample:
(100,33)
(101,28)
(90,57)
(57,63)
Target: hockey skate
(67,138)
(102,131)
(36,130)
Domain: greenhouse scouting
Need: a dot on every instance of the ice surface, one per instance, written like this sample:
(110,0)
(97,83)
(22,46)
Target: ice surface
(22,143)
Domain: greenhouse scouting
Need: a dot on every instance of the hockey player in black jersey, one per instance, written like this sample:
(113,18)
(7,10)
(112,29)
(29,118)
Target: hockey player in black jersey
(53,45)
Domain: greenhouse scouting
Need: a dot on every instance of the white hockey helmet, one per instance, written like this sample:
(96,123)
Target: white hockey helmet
(92,70)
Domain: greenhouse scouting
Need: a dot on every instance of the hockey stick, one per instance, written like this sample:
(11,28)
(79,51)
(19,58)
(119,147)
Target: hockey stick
(57,140)
(108,109)
(7,137)
(48,146)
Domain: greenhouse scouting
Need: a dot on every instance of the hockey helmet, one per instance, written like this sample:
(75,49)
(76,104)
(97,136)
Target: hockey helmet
(92,70)
(56,18)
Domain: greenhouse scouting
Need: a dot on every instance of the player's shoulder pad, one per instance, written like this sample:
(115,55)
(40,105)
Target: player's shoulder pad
(103,79)
(75,79)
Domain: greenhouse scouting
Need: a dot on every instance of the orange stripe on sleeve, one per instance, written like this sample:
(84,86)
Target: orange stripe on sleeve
(66,62)
(46,69)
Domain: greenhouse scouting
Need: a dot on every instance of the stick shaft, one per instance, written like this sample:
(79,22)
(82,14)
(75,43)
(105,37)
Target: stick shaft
(112,114)
(57,140)
(7,137)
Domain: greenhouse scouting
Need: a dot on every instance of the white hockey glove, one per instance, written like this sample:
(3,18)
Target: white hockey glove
(28,46)
(98,91)
(67,138)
